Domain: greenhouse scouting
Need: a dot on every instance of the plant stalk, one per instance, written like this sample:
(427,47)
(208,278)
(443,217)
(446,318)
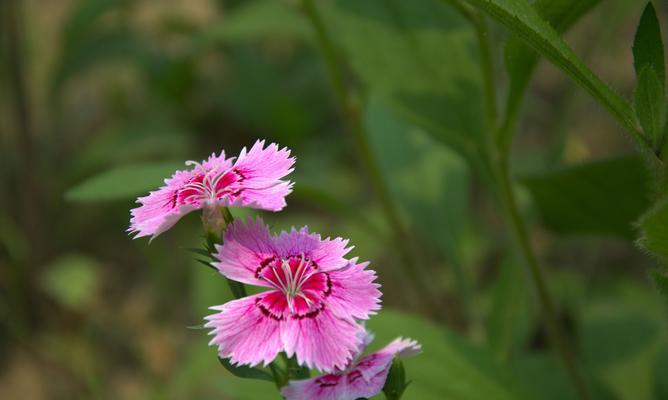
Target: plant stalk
(351,112)
(521,237)
(498,155)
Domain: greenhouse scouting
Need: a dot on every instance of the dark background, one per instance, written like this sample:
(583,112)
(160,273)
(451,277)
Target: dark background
(101,100)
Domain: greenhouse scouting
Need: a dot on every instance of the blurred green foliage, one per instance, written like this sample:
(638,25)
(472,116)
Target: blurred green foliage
(118,94)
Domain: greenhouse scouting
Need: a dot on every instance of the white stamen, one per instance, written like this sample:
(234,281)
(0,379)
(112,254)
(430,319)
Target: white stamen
(291,282)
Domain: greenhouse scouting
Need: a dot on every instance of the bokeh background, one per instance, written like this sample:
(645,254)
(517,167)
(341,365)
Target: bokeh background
(100,100)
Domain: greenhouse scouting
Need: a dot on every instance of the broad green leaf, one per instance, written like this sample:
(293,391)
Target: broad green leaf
(282,95)
(620,341)
(544,378)
(511,316)
(611,335)
(200,376)
(419,58)
(660,370)
(521,59)
(429,182)
(654,229)
(519,17)
(133,142)
(648,45)
(263,19)
(600,197)
(449,367)
(122,183)
(85,41)
(245,371)
(101,46)
(72,280)
(84,17)
(650,103)
(660,278)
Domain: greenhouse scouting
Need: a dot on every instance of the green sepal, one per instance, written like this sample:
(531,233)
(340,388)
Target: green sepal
(238,289)
(295,371)
(395,384)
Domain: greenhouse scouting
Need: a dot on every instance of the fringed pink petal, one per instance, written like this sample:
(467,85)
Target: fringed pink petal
(322,340)
(326,387)
(159,211)
(365,378)
(254,180)
(354,293)
(264,165)
(262,170)
(378,362)
(217,162)
(244,333)
(327,254)
(246,246)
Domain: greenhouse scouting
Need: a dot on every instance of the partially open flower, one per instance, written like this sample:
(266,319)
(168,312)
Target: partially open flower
(362,378)
(311,309)
(253,180)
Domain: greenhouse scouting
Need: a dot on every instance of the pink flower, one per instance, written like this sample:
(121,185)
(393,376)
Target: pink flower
(311,309)
(363,377)
(253,180)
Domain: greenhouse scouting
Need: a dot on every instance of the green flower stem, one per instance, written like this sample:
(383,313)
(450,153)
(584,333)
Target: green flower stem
(504,190)
(280,377)
(521,237)
(214,237)
(351,112)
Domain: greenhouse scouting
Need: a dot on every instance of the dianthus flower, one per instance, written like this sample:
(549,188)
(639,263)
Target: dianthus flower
(363,378)
(313,304)
(253,180)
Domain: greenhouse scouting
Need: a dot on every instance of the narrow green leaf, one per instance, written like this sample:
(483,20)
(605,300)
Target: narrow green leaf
(245,371)
(523,20)
(206,263)
(238,289)
(122,183)
(648,45)
(256,20)
(197,327)
(650,103)
(201,252)
(601,197)
(521,60)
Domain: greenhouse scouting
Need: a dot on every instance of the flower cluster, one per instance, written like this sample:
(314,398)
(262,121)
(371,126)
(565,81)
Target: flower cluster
(315,299)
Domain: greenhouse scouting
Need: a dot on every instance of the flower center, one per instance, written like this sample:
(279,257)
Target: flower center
(301,285)
(209,185)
